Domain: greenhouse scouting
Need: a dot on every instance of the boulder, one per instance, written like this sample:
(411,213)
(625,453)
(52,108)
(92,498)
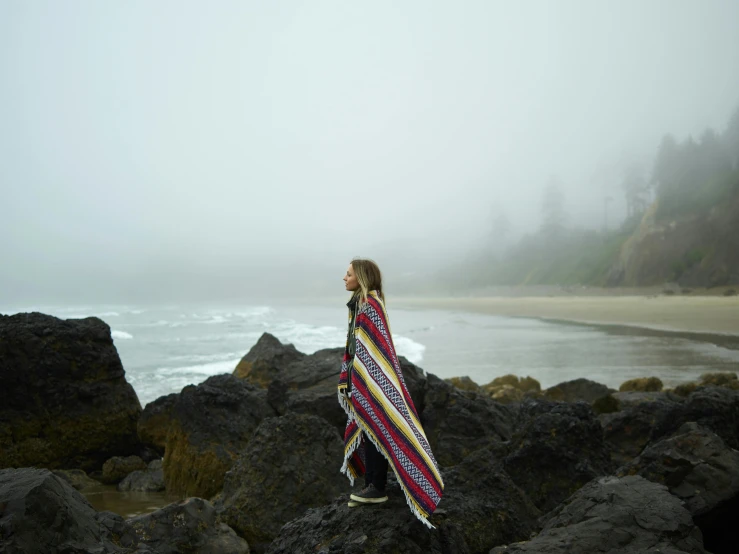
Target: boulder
(617,515)
(464,383)
(77,478)
(209,426)
(117,467)
(149,480)
(483,505)
(694,464)
(266,360)
(291,464)
(577,389)
(716,408)
(556,449)
(41,512)
(628,431)
(643,384)
(726,379)
(64,399)
(459,422)
(190,526)
(481,508)
(153,425)
(387,528)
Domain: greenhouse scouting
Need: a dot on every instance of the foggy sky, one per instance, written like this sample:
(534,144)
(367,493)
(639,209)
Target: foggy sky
(154,148)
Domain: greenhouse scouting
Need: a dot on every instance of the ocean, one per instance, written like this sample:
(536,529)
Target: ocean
(164,348)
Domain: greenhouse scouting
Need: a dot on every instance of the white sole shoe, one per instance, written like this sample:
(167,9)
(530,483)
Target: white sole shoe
(362,500)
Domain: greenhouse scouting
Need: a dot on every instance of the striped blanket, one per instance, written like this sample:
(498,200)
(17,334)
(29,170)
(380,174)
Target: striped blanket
(380,407)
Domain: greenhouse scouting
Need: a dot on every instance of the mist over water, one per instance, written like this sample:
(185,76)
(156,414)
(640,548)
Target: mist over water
(165,348)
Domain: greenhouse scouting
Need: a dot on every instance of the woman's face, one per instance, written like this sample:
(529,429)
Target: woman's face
(350,280)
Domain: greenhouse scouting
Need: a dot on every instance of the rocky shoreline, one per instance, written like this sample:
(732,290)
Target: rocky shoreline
(255,458)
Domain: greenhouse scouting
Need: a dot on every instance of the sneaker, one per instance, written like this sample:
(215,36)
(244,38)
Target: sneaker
(353,504)
(369,495)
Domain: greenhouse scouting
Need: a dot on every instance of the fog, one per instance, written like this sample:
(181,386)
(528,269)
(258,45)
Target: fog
(200,150)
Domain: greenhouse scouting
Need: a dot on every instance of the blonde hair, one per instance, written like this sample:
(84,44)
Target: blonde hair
(369,278)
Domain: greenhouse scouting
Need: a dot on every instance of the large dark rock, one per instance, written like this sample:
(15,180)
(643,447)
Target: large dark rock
(153,425)
(483,505)
(291,464)
(149,480)
(577,389)
(481,508)
(694,464)
(77,478)
(266,361)
(210,424)
(389,528)
(115,469)
(64,399)
(716,408)
(557,448)
(629,430)
(697,467)
(191,526)
(616,515)
(41,512)
(459,422)
(647,417)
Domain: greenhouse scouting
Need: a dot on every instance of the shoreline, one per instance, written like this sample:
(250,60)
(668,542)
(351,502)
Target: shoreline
(712,319)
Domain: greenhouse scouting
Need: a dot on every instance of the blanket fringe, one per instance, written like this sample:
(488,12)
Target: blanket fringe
(355,444)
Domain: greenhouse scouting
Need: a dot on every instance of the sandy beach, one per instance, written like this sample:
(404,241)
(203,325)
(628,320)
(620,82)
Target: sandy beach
(683,314)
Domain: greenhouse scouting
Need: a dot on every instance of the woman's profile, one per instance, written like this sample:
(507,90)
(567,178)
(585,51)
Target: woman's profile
(383,427)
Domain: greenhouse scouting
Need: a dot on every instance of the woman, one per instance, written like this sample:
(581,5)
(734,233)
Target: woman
(383,426)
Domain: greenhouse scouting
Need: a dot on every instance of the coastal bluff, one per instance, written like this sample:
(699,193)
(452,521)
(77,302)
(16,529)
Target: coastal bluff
(254,457)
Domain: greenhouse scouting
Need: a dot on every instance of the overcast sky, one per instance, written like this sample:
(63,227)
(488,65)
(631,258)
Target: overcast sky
(145,146)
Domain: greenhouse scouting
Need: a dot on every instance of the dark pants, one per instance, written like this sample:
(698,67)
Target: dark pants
(375,466)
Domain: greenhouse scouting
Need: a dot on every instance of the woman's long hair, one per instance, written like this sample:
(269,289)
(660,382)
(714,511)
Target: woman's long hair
(369,278)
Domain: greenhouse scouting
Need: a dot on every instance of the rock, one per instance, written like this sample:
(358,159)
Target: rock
(464,383)
(77,478)
(149,480)
(322,403)
(556,449)
(577,389)
(210,424)
(320,369)
(266,360)
(116,468)
(716,408)
(458,422)
(190,526)
(645,384)
(505,394)
(627,432)
(291,464)
(387,528)
(694,464)
(64,399)
(523,383)
(41,512)
(726,379)
(153,425)
(484,505)
(481,508)
(617,515)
